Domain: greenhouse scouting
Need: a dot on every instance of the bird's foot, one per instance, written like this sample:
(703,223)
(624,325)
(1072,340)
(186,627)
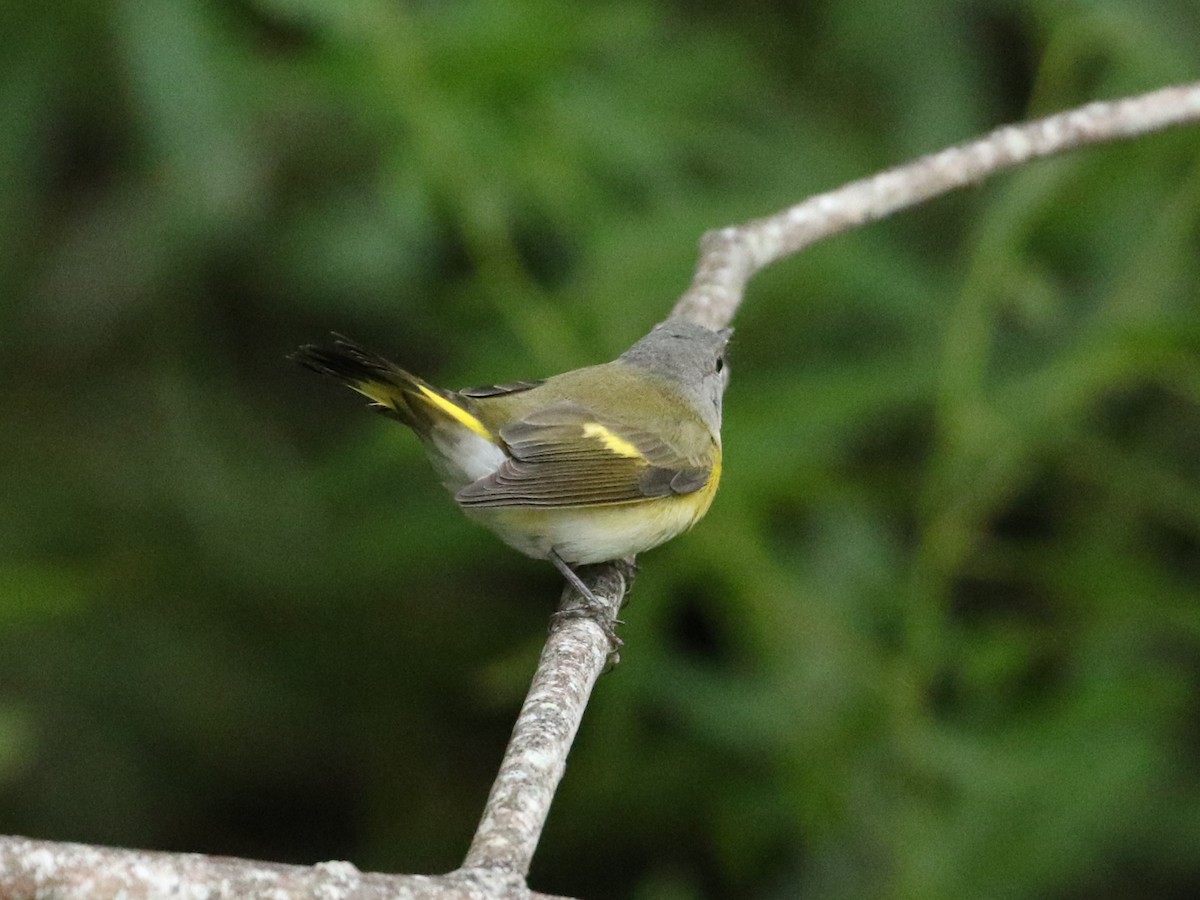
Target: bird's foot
(592,608)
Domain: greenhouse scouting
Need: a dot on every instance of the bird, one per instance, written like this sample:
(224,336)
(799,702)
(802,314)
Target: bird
(591,465)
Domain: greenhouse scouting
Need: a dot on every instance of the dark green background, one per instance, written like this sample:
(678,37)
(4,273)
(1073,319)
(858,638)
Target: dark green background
(939,636)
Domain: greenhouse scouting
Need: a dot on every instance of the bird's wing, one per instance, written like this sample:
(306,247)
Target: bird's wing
(565,456)
(486,391)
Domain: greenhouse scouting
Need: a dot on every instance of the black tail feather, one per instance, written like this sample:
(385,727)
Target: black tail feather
(349,362)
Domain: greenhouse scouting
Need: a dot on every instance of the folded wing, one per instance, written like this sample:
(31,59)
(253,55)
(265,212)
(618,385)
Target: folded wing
(564,456)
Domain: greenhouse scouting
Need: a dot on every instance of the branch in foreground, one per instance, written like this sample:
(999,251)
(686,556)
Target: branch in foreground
(44,869)
(730,257)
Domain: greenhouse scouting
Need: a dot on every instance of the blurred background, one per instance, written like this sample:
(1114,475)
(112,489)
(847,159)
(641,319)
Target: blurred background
(939,636)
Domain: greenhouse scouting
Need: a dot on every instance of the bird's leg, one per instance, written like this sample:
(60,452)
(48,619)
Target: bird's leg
(592,607)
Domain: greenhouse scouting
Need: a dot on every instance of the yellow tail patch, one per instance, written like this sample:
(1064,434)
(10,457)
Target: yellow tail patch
(456,412)
(376,391)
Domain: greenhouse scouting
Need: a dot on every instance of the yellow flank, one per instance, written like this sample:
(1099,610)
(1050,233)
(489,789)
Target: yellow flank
(611,441)
(714,478)
(456,412)
(704,496)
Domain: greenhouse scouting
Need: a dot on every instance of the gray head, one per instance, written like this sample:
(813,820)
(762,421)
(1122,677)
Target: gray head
(690,355)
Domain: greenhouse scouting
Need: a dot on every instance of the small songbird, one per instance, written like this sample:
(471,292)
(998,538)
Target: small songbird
(595,464)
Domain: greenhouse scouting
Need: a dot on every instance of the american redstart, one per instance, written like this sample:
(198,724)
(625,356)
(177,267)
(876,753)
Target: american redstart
(592,465)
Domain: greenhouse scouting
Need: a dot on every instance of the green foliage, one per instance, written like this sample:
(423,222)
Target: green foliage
(939,636)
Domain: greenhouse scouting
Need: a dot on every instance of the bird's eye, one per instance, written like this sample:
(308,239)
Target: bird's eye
(720,363)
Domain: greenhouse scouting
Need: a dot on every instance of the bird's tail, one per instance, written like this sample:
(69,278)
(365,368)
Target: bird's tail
(393,391)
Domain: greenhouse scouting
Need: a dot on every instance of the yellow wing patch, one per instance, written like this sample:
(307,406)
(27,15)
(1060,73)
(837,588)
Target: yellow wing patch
(611,440)
(456,412)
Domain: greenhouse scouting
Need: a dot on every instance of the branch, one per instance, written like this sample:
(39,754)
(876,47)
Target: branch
(536,756)
(731,256)
(574,656)
(44,869)
(516,810)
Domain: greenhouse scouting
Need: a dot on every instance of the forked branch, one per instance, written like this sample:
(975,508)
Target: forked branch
(574,656)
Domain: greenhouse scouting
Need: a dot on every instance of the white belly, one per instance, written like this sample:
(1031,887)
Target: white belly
(594,534)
